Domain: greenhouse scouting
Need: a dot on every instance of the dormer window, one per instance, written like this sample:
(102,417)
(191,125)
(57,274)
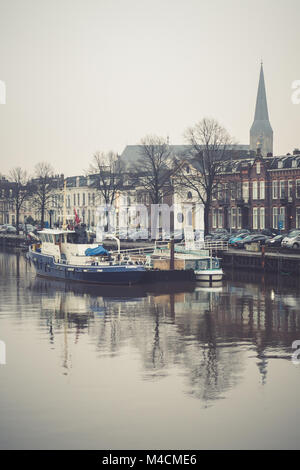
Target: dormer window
(258,168)
(294,163)
(187,169)
(280,164)
(189,195)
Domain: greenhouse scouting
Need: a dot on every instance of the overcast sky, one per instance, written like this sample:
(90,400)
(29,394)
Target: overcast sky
(88,75)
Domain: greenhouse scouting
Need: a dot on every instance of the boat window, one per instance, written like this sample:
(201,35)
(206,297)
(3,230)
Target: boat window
(202,264)
(46,238)
(50,238)
(56,238)
(71,237)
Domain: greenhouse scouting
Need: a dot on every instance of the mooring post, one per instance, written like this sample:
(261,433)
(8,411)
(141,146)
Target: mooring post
(172,253)
(263,256)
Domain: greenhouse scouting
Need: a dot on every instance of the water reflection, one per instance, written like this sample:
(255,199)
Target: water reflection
(203,333)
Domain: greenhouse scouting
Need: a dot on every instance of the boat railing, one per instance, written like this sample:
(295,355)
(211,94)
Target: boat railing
(216,245)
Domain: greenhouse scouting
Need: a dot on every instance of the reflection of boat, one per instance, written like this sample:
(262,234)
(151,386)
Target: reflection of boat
(64,254)
(206,286)
(110,292)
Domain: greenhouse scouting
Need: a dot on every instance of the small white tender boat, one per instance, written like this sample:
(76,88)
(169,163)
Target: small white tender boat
(208,269)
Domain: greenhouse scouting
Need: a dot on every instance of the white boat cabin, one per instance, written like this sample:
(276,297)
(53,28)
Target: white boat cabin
(66,246)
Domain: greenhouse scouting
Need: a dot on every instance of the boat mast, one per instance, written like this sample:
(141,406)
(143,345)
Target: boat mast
(64,226)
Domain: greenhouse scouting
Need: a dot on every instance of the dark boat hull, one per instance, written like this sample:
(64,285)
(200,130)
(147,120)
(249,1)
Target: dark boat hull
(119,275)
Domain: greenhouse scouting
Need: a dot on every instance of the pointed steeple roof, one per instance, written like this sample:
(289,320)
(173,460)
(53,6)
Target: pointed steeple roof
(261,132)
(261,110)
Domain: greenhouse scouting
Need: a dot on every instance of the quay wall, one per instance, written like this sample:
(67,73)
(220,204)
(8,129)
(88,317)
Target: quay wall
(272,262)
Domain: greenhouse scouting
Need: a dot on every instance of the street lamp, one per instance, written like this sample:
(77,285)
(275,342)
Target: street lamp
(51,211)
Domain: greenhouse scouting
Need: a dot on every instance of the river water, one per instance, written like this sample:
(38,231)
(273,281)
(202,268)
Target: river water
(153,367)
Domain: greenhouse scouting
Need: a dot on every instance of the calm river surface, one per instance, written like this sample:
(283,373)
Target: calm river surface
(157,367)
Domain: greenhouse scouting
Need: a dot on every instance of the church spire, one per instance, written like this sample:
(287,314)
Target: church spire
(261,110)
(261,133)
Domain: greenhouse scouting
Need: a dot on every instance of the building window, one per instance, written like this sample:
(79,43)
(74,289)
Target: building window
(275,189)
(226,192)
(83,199)
(275,217)
(258,168)
(214,221)
(78,199)
(290,188)
(298,217)
(262,218)
(255,221)
(282,217)
(189,195)
(246,191)
(74,199)
(233,217)
(220,219)
(282,189)
(254,190)
(233,191)
(298,188)
(262,190)
(239,217)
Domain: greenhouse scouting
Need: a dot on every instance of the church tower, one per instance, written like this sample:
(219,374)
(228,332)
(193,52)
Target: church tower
(261,133)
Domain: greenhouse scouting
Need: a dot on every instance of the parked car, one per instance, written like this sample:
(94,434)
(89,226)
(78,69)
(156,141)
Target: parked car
(257,238)
(292,240)
(275,241)
(237,238)
(220,233)
(270,232)
(26,228)
(10,229)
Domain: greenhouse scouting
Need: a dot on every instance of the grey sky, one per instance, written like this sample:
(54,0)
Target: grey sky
(87,75)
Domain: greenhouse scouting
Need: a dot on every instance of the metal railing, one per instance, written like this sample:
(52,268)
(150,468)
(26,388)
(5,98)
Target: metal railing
(217,245)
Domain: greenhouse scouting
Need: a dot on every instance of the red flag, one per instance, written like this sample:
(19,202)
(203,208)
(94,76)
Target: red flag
(77,220)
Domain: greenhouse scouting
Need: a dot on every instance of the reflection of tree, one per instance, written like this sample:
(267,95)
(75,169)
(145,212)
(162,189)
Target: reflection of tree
(199,332)
(205,334)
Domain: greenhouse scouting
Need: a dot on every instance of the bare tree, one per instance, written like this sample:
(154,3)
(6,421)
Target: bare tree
(21,191)
(106,176)
(208,142)
(43,186)
(153,169)
(107,173)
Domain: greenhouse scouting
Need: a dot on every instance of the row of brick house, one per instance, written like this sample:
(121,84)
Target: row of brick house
(258,193)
